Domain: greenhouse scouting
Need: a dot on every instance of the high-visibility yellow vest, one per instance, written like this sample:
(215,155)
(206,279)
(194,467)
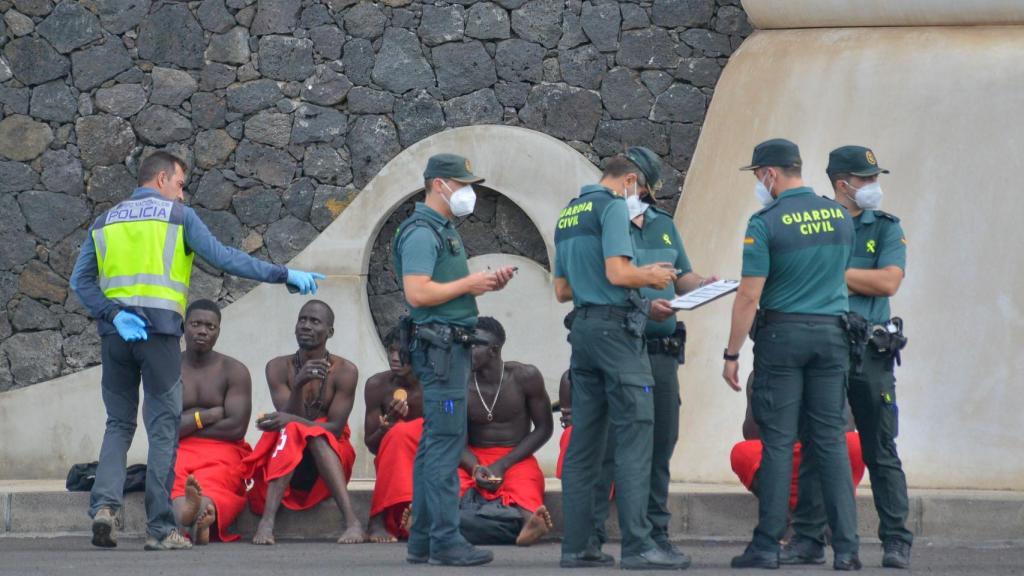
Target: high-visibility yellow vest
(140,250)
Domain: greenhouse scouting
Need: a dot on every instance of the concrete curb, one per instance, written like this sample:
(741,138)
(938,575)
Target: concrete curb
(699,512)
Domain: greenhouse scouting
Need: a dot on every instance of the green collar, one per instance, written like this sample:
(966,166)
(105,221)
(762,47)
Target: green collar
(798,191)
(431,214)
(592,188)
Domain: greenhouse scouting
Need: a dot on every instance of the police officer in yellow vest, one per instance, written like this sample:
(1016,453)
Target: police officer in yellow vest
(133,276)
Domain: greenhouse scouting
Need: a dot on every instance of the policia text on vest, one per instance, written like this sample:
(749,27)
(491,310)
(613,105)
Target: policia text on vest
(133,276)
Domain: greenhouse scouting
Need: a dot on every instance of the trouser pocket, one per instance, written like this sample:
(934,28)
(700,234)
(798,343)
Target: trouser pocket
(637,397)
(446,417)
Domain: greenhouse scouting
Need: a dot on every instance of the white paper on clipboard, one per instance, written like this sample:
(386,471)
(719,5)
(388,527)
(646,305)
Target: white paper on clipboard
(705,294)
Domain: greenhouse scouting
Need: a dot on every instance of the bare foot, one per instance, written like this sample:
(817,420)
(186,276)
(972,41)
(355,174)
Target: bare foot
(377,533)
(193,499)
(264,532)
(203,523)
(353,535)
(406,522)
(535,528)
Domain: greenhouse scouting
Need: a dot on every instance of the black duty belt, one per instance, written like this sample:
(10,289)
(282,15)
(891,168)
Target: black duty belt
(771,316)
(668,346)
(458,334)
(617,312)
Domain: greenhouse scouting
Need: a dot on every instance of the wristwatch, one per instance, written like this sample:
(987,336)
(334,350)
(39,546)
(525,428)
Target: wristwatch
(732,357)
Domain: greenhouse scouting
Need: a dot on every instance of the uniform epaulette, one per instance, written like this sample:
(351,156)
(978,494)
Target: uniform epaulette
(886,215)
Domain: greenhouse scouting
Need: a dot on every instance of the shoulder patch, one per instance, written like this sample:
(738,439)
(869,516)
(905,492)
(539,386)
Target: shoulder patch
(886,215)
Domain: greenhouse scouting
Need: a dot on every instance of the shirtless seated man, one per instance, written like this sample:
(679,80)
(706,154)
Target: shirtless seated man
(304,455)
(209,485)
(501,484)
(746,455)
(392,431)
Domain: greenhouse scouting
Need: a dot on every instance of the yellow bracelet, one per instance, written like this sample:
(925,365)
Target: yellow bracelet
(199,421)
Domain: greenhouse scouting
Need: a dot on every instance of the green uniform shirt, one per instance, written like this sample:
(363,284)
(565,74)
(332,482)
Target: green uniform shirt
(427,244)
(659,241)
(880,242)
(802,244)
(594,226)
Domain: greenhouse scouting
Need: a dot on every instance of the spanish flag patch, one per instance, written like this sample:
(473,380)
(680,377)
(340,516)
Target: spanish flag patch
(748,241)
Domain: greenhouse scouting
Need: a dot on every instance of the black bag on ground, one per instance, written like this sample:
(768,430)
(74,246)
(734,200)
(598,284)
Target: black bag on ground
(81,477)
(485,522)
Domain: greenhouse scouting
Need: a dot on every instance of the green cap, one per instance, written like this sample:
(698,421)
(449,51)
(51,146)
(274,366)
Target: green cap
(452,167)
(856,160)
(775,152)
(648,163)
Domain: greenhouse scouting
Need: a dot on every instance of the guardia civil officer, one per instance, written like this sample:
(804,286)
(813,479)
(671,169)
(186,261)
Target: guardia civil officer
(875,274)
(795,256)
(656,239)
(430,260)
(133,276)
(611,374)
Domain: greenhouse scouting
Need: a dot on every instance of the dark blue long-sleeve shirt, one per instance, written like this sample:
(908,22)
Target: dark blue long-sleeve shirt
(198,239)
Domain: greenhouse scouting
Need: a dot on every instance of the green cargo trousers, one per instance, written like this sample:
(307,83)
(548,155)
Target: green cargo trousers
(665,369)
(800,372)
(872,398)
(611,386)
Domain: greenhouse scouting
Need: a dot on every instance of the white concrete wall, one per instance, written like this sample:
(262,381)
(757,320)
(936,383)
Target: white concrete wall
(765,14)
(942,108)
(49,426)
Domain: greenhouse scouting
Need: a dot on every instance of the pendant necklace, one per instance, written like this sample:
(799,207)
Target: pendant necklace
(490,411)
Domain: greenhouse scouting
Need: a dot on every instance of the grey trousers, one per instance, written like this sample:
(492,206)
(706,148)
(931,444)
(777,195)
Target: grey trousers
(157,362)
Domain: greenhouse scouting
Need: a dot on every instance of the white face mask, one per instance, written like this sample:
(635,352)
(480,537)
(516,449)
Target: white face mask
(868,196)
(762,193)
(634,204)
(462,202)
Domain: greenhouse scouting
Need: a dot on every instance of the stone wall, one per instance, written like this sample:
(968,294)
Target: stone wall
(285,109)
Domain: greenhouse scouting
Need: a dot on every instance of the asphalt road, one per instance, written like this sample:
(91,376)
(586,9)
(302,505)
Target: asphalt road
(75,556)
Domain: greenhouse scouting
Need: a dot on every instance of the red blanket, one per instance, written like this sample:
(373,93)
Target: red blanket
(279,452)
(217,466)
(746,461)
(392,492)
(523,483)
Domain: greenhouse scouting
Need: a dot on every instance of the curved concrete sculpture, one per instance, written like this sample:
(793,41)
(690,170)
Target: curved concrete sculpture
(942,108)
(765,14)
(48,426)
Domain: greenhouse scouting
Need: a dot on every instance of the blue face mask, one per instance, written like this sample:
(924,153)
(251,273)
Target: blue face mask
(762,193)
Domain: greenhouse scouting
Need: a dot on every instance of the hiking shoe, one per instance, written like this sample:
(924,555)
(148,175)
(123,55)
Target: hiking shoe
(173,541)
(846,562)
(654,559)
(589,558)
(802,551)
(754,558)
(897,554)
(104,528)
(462,555)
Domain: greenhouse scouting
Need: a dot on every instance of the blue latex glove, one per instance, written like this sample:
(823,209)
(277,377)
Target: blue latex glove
(130,327)
(303,282)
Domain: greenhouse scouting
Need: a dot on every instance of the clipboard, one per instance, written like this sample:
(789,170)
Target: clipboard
(704,294)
